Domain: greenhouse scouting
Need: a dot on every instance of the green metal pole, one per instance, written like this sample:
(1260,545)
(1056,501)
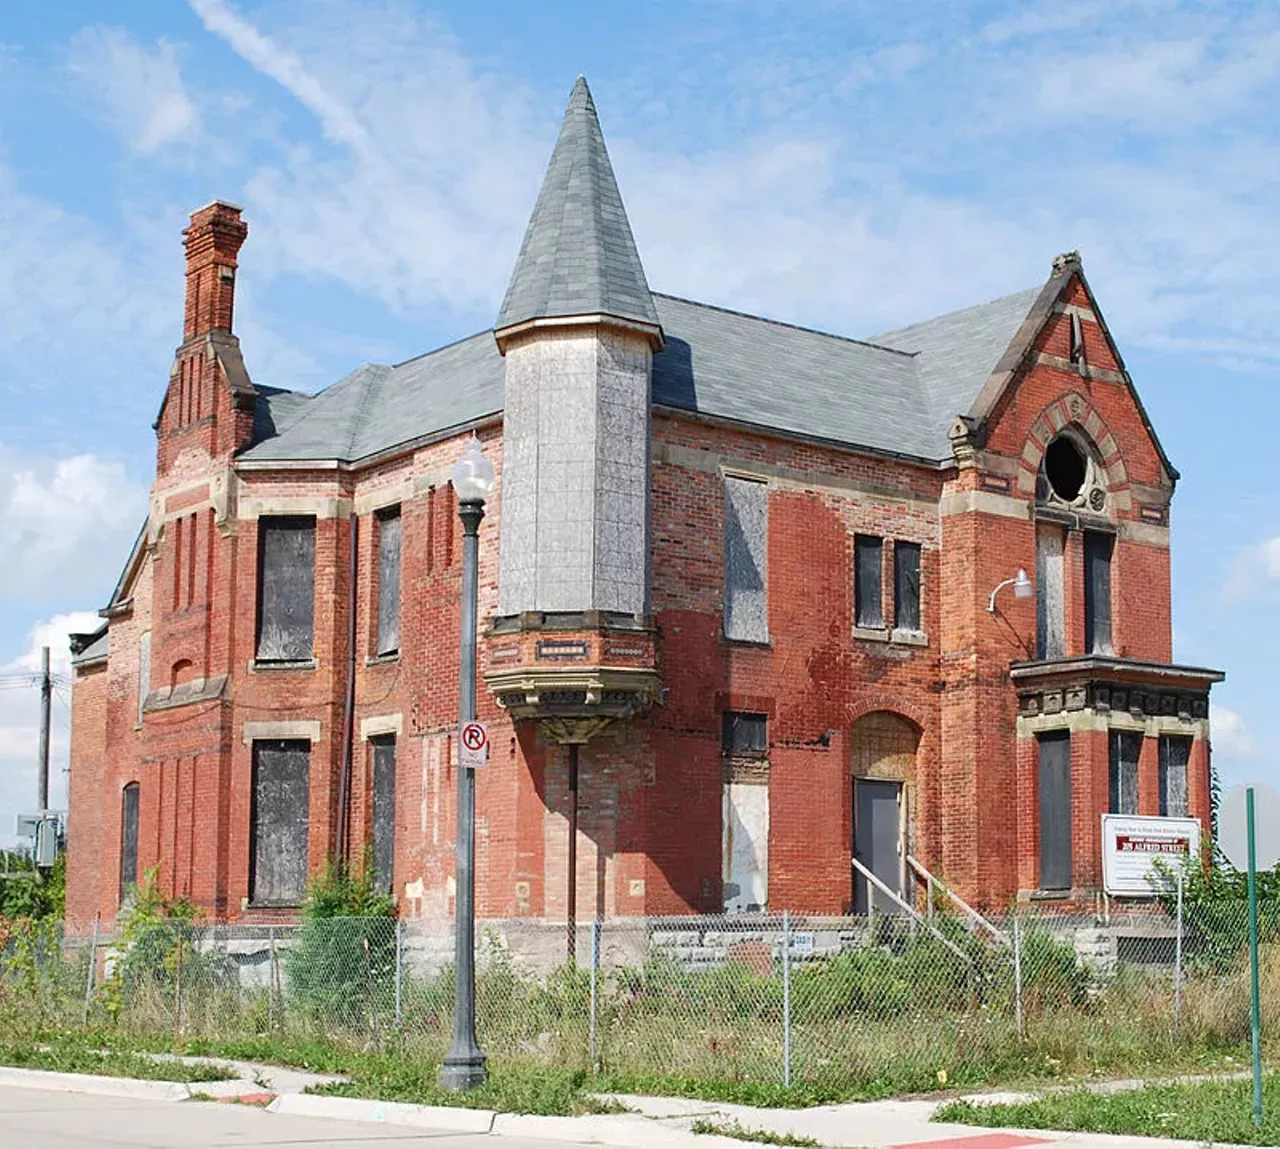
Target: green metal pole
(1253,960)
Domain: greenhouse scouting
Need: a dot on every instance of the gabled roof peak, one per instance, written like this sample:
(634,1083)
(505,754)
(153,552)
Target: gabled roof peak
(578,256)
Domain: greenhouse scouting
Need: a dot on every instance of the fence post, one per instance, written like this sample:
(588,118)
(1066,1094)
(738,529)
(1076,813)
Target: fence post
(1017,975)
(271,981)
(1177,965)
(786,998)
(596,927)
(93,961)
(399,971)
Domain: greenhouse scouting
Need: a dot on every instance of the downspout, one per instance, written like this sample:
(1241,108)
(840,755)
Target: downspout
(349,709)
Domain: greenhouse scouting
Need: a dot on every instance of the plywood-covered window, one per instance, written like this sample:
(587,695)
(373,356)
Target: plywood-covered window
(1097,592)
(868,565)
(746,553)
(286,588)
(1055,810)
(128,839)
(906,586)
(1126,747)
(279,822)
(1175,755)
(389,581)
(1050,592)
(384,810)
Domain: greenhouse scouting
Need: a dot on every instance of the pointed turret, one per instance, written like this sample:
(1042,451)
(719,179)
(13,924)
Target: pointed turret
(578,257)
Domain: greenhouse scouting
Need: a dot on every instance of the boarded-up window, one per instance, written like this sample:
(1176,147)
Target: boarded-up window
(1126,746)
(1175,754)
(1097,592)
(1055,810)
(906,586)
(384,811)
(279,822)
(144,670)
(128,839)
(286,588)
(746,546)
(1050,624)
(868,562)
(745,849)
(745,735)
(389,581)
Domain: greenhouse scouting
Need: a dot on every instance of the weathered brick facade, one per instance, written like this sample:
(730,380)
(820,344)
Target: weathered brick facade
(966,685)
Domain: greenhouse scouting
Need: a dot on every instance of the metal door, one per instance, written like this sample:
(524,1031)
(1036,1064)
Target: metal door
(877,842)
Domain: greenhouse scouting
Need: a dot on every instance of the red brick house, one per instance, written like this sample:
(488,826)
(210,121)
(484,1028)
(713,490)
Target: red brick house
(745,568)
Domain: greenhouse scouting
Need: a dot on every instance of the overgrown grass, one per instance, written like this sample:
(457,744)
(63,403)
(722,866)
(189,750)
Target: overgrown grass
(742,1133)
(75,1055)
(1210,1112)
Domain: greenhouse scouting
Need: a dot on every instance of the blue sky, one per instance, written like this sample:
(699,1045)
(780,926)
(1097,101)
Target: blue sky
(852,166)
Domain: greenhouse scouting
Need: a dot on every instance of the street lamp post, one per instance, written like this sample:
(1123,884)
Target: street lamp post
(464,1064)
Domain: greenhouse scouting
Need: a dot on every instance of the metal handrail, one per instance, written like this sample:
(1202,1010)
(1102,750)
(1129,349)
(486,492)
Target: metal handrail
(964,907)
(955,949)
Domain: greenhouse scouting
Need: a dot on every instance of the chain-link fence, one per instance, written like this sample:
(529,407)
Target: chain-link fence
(886,1002)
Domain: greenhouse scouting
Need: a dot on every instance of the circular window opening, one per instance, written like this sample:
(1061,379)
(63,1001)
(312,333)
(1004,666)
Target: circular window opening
(1064,467)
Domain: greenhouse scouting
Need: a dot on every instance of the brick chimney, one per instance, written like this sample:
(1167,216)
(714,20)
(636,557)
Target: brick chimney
(213,242)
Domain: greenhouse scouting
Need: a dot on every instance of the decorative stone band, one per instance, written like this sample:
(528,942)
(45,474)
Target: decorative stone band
(574,703)
(1108,685)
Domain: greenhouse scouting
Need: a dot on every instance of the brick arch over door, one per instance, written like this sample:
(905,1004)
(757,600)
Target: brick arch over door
(884,745)
(1071,410)
(884,749)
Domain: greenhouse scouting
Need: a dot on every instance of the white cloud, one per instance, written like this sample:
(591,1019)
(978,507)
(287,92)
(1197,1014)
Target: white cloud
(1254,569)
(65,524)
(20,717)
(1232,739)
(139,89)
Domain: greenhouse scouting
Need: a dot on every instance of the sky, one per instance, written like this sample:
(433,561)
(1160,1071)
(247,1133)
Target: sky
(848,166)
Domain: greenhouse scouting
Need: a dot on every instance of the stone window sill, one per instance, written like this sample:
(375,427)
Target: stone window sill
(256,664)
(756,643)
(884,634)
(389,659)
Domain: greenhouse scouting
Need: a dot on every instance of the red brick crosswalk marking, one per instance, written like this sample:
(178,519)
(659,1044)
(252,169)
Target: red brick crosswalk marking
(982,1141)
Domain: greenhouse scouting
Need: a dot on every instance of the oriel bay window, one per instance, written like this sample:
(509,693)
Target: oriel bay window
(286,588)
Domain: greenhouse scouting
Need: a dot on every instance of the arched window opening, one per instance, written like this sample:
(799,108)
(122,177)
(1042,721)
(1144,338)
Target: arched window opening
(1065,468)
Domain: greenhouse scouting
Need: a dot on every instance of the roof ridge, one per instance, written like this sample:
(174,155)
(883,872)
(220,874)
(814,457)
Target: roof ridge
(784,323)
(958,311)
(375,373)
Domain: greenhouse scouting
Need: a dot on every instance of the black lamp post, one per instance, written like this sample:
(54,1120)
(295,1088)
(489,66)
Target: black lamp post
(464,1064)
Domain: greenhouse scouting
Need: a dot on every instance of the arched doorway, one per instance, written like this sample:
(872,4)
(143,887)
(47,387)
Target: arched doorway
(884,774)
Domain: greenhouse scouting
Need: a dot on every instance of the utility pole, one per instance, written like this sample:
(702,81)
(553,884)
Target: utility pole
(46,699)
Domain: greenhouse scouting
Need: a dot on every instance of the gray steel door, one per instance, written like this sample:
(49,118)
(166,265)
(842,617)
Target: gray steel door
(877,842)
(1055,811)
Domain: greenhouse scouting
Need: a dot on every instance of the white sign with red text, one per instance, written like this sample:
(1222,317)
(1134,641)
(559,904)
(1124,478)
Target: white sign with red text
(473,745)
(1133,847)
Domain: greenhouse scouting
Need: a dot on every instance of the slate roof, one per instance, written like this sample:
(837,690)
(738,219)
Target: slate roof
(578,256)
(896,393)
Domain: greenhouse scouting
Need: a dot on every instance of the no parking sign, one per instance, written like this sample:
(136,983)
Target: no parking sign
(473,745)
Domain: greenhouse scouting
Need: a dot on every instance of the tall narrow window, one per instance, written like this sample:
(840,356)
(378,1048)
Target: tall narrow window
(144,670)
(868,564)
(1175,754)
(384,810)
(389,581)
(1050,624)
(286,588)
(1055,810)
(1097,592)
(746,548)
(906,585)
(745,812)
(1126,746)
(128,839)
(278,822)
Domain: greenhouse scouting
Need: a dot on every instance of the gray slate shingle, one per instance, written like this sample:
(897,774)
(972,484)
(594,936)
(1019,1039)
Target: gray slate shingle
(578,256)
(897,393)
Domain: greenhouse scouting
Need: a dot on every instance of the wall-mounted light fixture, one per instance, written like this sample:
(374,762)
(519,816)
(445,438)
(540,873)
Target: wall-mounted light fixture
(1021,589)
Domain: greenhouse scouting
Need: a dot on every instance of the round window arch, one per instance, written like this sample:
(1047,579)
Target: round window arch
(1070,475)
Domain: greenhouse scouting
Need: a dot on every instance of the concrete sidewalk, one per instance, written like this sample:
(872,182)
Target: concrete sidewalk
(653,1123)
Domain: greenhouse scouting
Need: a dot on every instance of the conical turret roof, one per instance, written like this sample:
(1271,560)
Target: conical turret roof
(579,256)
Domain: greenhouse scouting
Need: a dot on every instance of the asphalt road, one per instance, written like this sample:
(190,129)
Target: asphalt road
(45,1119)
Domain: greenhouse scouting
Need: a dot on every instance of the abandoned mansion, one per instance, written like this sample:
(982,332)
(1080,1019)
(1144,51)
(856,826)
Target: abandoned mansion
(798,608)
